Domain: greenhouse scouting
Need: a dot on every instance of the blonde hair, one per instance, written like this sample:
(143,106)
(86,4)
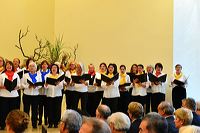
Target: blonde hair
(185,115)
(135,109)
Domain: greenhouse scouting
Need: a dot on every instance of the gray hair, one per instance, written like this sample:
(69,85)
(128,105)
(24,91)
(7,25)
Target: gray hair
(166,107)
(72,120)
(156,123)
(120,121)
(104,111)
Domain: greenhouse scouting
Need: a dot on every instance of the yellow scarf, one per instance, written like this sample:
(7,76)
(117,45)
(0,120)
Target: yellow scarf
(73,71)
(110,75)
(54,76)
(122,78)
(139,73)
(1,69)
(177,76)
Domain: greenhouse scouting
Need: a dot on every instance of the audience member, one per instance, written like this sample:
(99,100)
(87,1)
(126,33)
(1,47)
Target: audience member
(17,121)
(183,118)
(94,125)
(153,123)
(135,112)
(166,110)
(190,104)
(71,122)
(198,108)
(102,112)
(119,122)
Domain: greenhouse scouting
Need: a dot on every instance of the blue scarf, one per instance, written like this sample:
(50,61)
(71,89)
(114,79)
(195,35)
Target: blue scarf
(43,74)
(33,77)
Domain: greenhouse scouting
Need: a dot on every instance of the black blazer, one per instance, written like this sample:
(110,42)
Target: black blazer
(135,126)
(171,125)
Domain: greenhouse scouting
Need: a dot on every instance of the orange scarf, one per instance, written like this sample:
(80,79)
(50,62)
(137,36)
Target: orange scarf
(10,75)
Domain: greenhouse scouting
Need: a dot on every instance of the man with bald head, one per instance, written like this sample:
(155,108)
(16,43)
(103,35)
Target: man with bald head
(102,112)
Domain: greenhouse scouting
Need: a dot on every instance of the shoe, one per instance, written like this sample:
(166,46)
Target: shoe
(50,126)
(34,126)
(56,126)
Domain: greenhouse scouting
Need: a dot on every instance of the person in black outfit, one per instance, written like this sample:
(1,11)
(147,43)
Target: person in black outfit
(135,111)
(166,110)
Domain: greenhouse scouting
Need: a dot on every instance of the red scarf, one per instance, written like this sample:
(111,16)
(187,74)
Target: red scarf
(91,73)
(157,74)
(10,75)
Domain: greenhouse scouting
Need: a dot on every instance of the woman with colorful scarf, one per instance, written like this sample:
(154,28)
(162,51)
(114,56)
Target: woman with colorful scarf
(42,93)
(111,91)
(178,90)
(124,90)
(54,96)
(31,92)
(8,93)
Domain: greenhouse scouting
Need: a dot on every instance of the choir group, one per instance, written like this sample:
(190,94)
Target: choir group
(42,87)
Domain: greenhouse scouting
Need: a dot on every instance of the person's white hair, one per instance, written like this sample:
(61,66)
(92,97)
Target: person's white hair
(120,121)
(33,63)
(72,120)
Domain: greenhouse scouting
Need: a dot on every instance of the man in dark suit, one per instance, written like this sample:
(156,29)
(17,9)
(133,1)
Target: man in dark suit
(166,110)
(135,112)
(190,103)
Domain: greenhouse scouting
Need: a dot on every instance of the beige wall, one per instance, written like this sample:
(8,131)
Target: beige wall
(18,14)
(123,32)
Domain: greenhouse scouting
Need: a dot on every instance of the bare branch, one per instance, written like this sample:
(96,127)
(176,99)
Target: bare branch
(22,35)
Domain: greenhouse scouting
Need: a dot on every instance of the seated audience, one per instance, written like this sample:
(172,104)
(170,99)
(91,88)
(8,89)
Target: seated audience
(183,119)
(94,125)
(198,108)
(17,121)
(71,122)
(102,112)
(190,104)
(166,110)
(119,122)
(135,112)
(153,123)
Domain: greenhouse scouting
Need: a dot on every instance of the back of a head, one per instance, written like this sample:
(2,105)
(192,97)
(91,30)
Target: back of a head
(17,121)
(120,121)
(166,107)
(136,110)
(72,121)
(156,123)
(190,103)
(104,111)
(98,126)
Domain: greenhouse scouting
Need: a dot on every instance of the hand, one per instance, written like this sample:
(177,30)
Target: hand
(2,87)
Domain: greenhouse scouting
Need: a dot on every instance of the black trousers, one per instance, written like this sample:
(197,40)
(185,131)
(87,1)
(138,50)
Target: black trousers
(148,102)
(156,99)
(7,104)
(112,103)
(99,97)
(123,101)
(91,104)
(84,97)
(139,99)
(43,107)
(54,109)
(178,94)
(69,95)
(31,101)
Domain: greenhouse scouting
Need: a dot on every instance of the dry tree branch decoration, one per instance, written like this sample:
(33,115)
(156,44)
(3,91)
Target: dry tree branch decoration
(38,52)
